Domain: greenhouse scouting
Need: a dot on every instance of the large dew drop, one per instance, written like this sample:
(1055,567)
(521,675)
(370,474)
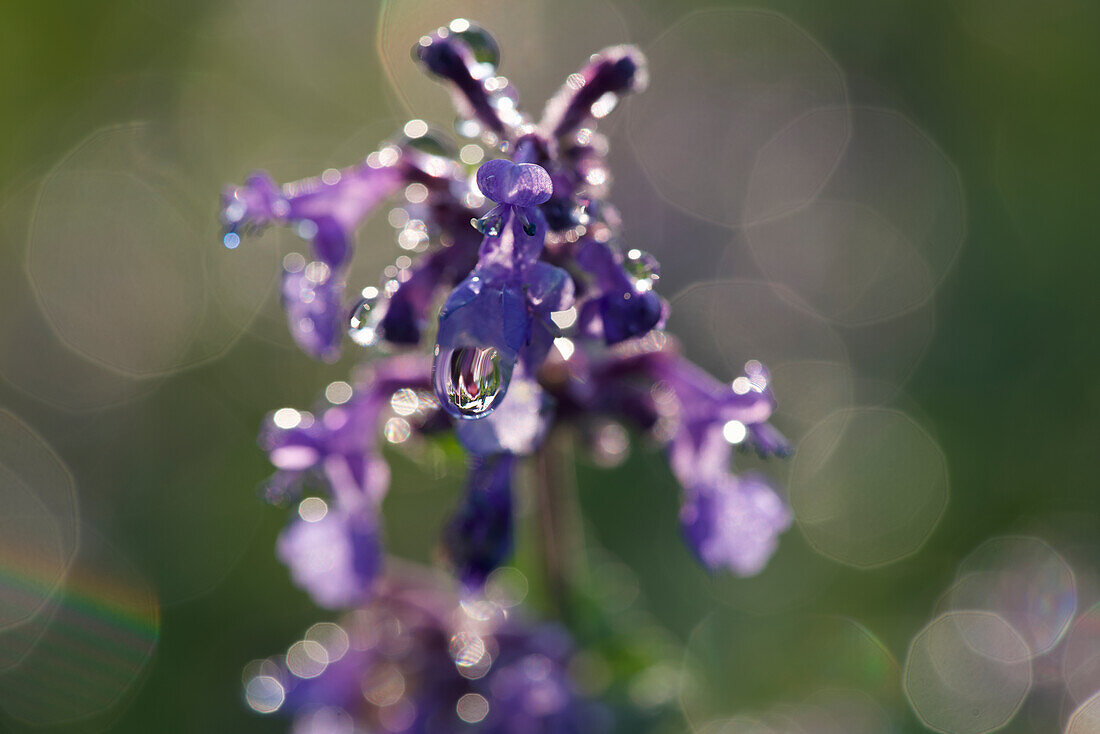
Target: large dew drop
(470,380)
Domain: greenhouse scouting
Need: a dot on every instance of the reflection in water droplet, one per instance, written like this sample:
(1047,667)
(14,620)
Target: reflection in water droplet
(471,379)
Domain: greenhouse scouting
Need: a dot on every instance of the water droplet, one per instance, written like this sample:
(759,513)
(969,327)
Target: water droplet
(483,45)
(430,142)
(642,267)
(471,379)
(364,320)
(490,224)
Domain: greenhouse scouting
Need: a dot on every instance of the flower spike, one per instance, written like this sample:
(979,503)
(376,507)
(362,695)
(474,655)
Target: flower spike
(516,309)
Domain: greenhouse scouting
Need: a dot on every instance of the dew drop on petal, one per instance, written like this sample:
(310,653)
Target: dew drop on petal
(482,45)
(471,379)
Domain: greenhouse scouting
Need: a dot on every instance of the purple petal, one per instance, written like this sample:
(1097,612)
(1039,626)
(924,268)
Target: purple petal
(517,426)
(256,203)
(347,196)
(448,56)
(334,559)
(482,327)
(549,288)
(628,315)
(528,185)
(330,242)
(478,537)
(734,524)
(768,441)
(595,91)
(518,184)
(625,308)
(313,301)
(492,178)
(484,314)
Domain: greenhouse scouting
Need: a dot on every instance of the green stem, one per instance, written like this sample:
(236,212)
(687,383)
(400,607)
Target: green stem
(558,521)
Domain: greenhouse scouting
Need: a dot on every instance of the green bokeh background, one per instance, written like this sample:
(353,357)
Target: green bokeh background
(1009,387)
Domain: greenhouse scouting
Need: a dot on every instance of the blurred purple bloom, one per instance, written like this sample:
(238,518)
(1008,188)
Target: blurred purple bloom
(313,299)
(729,521)
(413,661)
(479,535)
(594,92)
(335,558)
(734,523)
(517,427)
(623,307)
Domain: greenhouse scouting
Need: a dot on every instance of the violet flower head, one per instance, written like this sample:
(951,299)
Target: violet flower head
(479,536)
(550,321)
(412,661)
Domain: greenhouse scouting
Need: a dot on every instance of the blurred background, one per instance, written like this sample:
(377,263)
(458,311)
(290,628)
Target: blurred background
(890,202)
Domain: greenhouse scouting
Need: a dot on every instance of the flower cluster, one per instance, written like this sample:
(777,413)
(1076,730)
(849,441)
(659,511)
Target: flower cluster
(547,318)
(415,660)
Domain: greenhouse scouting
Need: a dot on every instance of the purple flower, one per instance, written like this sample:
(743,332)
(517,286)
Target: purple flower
(734,523)
(334,557)
(466,56)
(548,317)
(594,92)
(412,660)
(487,321)
(479,535)
(313,300)
(729,521)
(623,305)
(327,208)
(333,550)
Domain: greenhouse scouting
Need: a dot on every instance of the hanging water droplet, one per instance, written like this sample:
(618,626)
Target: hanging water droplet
(490,224)
(481,43)
(365,317)
(431,142)
(642,267)
(471,379)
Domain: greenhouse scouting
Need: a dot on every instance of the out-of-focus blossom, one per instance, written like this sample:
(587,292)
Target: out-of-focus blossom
(414,660)
(734,523)
(479,535)
(335,557)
